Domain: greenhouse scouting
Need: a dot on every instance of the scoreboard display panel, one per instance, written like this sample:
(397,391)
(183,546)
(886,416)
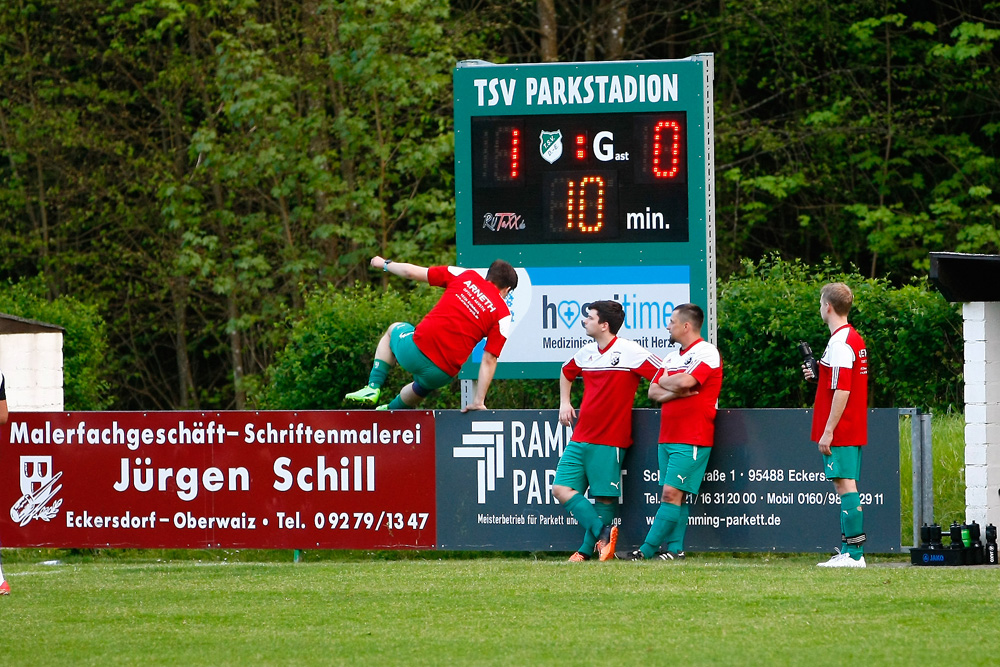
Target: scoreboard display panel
(613,178)
(596,181)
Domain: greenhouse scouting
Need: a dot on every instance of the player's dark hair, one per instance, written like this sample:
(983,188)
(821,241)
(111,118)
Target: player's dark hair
(839,296)
(610,312)
(502,274)
(691,313)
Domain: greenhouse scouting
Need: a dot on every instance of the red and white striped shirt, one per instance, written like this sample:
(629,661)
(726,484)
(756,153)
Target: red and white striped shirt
(610,379)
(691,420)
(844,366)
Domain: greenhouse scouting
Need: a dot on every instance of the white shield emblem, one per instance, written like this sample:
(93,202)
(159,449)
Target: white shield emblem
(38,484)
(550,145)
(36,472)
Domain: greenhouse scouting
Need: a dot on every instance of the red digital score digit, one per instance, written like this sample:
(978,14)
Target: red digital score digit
(578,220)
(581,151)
(671,156)
(515,149)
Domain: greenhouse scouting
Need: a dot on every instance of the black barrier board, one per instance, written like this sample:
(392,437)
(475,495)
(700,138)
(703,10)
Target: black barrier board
(764,489)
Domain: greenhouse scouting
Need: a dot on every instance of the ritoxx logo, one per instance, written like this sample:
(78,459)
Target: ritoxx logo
(498,222)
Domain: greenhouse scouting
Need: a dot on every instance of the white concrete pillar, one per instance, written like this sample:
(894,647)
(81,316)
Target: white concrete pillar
(982,412)
(32,364)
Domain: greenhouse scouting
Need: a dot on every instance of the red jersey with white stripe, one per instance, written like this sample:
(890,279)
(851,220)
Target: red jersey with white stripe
(610,379)
(844,366)
(470,309)
(691,420)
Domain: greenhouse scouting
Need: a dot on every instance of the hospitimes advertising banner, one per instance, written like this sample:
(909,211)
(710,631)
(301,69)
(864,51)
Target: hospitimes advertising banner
(318,479)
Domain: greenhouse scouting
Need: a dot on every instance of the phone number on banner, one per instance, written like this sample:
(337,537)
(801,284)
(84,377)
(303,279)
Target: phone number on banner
(370,520)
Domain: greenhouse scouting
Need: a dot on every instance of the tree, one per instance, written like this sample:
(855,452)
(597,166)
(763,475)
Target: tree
(837,138)
(193,168)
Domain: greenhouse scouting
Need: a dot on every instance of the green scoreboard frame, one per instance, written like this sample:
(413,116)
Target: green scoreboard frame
(596,181)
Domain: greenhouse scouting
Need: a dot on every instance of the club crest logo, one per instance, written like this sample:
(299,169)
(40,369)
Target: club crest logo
(550,145)
(38,485)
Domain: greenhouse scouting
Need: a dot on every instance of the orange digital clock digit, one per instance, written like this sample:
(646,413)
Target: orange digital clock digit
(578,216)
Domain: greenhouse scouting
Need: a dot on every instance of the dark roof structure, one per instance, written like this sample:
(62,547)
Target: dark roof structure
(964,277)
(12,324)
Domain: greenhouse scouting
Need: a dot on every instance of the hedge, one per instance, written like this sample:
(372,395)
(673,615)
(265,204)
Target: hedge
(913,335)
(914,339)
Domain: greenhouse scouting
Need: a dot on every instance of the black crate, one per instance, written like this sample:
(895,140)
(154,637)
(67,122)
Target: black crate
(946,556)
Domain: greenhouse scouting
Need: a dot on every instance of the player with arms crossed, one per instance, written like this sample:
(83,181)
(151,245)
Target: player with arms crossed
(471,308)
(840,417)
(688,386)
(611,369)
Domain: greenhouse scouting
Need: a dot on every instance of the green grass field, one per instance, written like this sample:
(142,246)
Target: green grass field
(249,607)
(707,610)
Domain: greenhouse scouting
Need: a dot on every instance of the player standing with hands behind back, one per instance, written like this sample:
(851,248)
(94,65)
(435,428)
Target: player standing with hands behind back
(840,417)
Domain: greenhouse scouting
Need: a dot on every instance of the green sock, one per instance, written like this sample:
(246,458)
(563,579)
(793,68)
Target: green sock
(398,404)
(854,521)
(663,523)
(380,371)
(843,528)
(675,540)
(585,514)
(589,543)
(606,512)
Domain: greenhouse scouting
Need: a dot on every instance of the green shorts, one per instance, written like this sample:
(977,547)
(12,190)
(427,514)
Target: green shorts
(682,466)
(843,463)
(583,464)
(413,360)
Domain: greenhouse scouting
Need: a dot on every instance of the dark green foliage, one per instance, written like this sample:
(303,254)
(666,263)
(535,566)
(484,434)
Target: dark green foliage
(914,337)
(86,361)
(914,340)
(530,394)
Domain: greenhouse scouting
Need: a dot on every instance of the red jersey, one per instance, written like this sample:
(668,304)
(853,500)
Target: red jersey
(470,309)
(844,366)
(691,420)
(610,379)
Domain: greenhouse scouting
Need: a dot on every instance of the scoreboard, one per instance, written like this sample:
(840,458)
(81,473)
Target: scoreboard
(595,180)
